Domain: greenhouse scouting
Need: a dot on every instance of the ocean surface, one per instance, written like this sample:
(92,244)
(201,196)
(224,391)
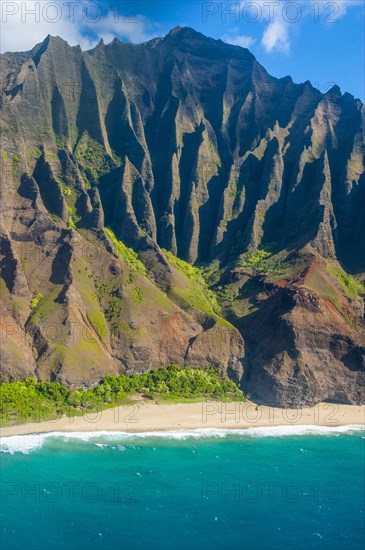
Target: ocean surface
(266,488)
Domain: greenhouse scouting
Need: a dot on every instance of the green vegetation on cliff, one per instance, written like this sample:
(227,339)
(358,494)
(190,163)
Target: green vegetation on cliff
(127,255)
(351,286)
(33,400)
(255,260)
(196,293)
(93,157)
(35,301)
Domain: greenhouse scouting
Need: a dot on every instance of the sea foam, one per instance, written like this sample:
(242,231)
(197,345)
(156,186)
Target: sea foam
(28,443)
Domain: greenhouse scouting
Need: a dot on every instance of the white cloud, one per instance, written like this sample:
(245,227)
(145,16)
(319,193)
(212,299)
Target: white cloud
(21,29)
(284,18)
(239,40)
(341,7)
(137,31)
(74,22)
(276,37)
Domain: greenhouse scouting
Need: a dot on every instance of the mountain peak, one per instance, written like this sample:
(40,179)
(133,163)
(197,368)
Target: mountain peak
(334,91)
(185,32)
(176,30)
(49,42)
(53,40)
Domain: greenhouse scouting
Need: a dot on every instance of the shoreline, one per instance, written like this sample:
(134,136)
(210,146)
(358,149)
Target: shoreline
(151,417)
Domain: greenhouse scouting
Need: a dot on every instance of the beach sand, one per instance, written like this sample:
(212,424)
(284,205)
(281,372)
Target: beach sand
(145,417)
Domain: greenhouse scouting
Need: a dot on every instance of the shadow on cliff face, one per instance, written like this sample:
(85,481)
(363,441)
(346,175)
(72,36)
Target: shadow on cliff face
(355,359)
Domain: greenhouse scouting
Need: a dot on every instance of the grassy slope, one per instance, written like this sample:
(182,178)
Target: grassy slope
(192,290)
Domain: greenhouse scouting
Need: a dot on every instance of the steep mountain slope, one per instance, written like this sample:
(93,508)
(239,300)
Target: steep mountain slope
(187,144)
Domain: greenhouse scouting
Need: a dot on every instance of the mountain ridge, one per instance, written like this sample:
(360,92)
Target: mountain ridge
(184,144)
(158,39)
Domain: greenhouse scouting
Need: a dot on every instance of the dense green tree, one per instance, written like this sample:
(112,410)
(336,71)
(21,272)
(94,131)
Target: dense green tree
(36,400)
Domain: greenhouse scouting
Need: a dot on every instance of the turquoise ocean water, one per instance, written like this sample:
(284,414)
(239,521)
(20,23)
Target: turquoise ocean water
(269,488)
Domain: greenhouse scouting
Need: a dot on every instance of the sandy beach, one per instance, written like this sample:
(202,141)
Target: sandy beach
(144,417)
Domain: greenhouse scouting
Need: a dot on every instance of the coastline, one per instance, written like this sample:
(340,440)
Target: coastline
(151,417)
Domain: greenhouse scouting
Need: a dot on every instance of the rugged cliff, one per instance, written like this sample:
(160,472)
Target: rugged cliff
(187,151)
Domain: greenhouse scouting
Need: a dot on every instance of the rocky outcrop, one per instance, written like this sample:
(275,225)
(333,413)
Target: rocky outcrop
(302,352)
(304,340)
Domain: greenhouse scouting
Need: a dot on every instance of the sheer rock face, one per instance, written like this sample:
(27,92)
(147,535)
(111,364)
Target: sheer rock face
(188,144)
(303,352)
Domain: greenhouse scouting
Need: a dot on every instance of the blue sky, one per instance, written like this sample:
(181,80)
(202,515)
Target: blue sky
(317,40)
